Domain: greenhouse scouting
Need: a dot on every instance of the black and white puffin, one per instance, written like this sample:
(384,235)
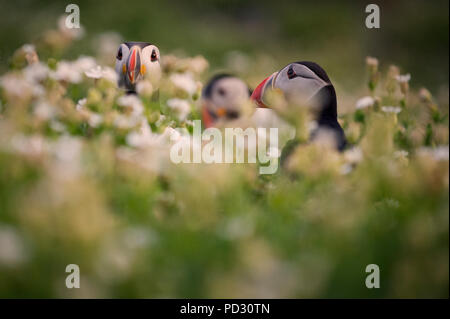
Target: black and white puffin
(136,61)
(306,83)
(223,98)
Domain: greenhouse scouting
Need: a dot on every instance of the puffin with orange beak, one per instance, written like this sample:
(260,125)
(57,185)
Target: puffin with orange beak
(136,61)
(223,98)
(306,83)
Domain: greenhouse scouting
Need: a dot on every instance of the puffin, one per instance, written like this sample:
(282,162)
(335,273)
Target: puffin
(306,83)
(136,61)
(223,98)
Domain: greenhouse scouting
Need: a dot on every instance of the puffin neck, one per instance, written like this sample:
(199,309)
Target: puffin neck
(328,113)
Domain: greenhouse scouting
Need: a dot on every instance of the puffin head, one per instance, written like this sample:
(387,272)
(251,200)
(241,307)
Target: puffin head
(305,83)
(136,61)
(223,98)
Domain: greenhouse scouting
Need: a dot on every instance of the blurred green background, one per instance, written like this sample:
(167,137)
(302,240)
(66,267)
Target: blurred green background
(413,34)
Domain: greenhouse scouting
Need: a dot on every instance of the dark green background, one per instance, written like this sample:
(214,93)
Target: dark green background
(413,34)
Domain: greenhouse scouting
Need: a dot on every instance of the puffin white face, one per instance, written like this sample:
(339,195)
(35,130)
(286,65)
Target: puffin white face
(298,83)
(228,94)
(136,61)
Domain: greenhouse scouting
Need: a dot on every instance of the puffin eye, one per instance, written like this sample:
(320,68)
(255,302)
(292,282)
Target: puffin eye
(154,57)
(119,54)
(291,73)
(221,92)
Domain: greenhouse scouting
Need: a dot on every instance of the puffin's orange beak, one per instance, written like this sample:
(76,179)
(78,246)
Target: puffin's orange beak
(134,65)
(258,93)
(221,111)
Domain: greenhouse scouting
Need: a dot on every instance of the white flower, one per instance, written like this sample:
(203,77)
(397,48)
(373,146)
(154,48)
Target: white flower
(198,64)
(142,138)
(440,153)
(57,126)
(84,63)
(66,152)
(365,102)
(391,109)
(44,111)
(98,72)
(95,119)
(161,119)
(28,48)
(30,53)
(403,78)
(353,155)
(401,154)
(144,88)
(133,102)
(80,104)
(68,72)
(67,149)
(12,249)
(126,122)
(371,61)
(16,85)
(346,168)
(109,74)
(170,135)
(36,72)
(33,145)
(94,73)
(185,82)
(180,107)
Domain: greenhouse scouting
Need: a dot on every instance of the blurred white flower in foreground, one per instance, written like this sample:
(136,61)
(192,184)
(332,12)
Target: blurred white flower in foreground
(144,137)
(36,72)
(403,78)
(95,119)
(109,74)
(144,88)
(44,111)
(401,154)
(440,153)
(66,71)
(198,64)
(133,102)
(80,104)
(391,109)
(180,107)
(30,53)
(353,155)
(185,82)
(99,72)
(365,102)
(33,145)
(14,84)
(72,71)
(94,73)
(12,249)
